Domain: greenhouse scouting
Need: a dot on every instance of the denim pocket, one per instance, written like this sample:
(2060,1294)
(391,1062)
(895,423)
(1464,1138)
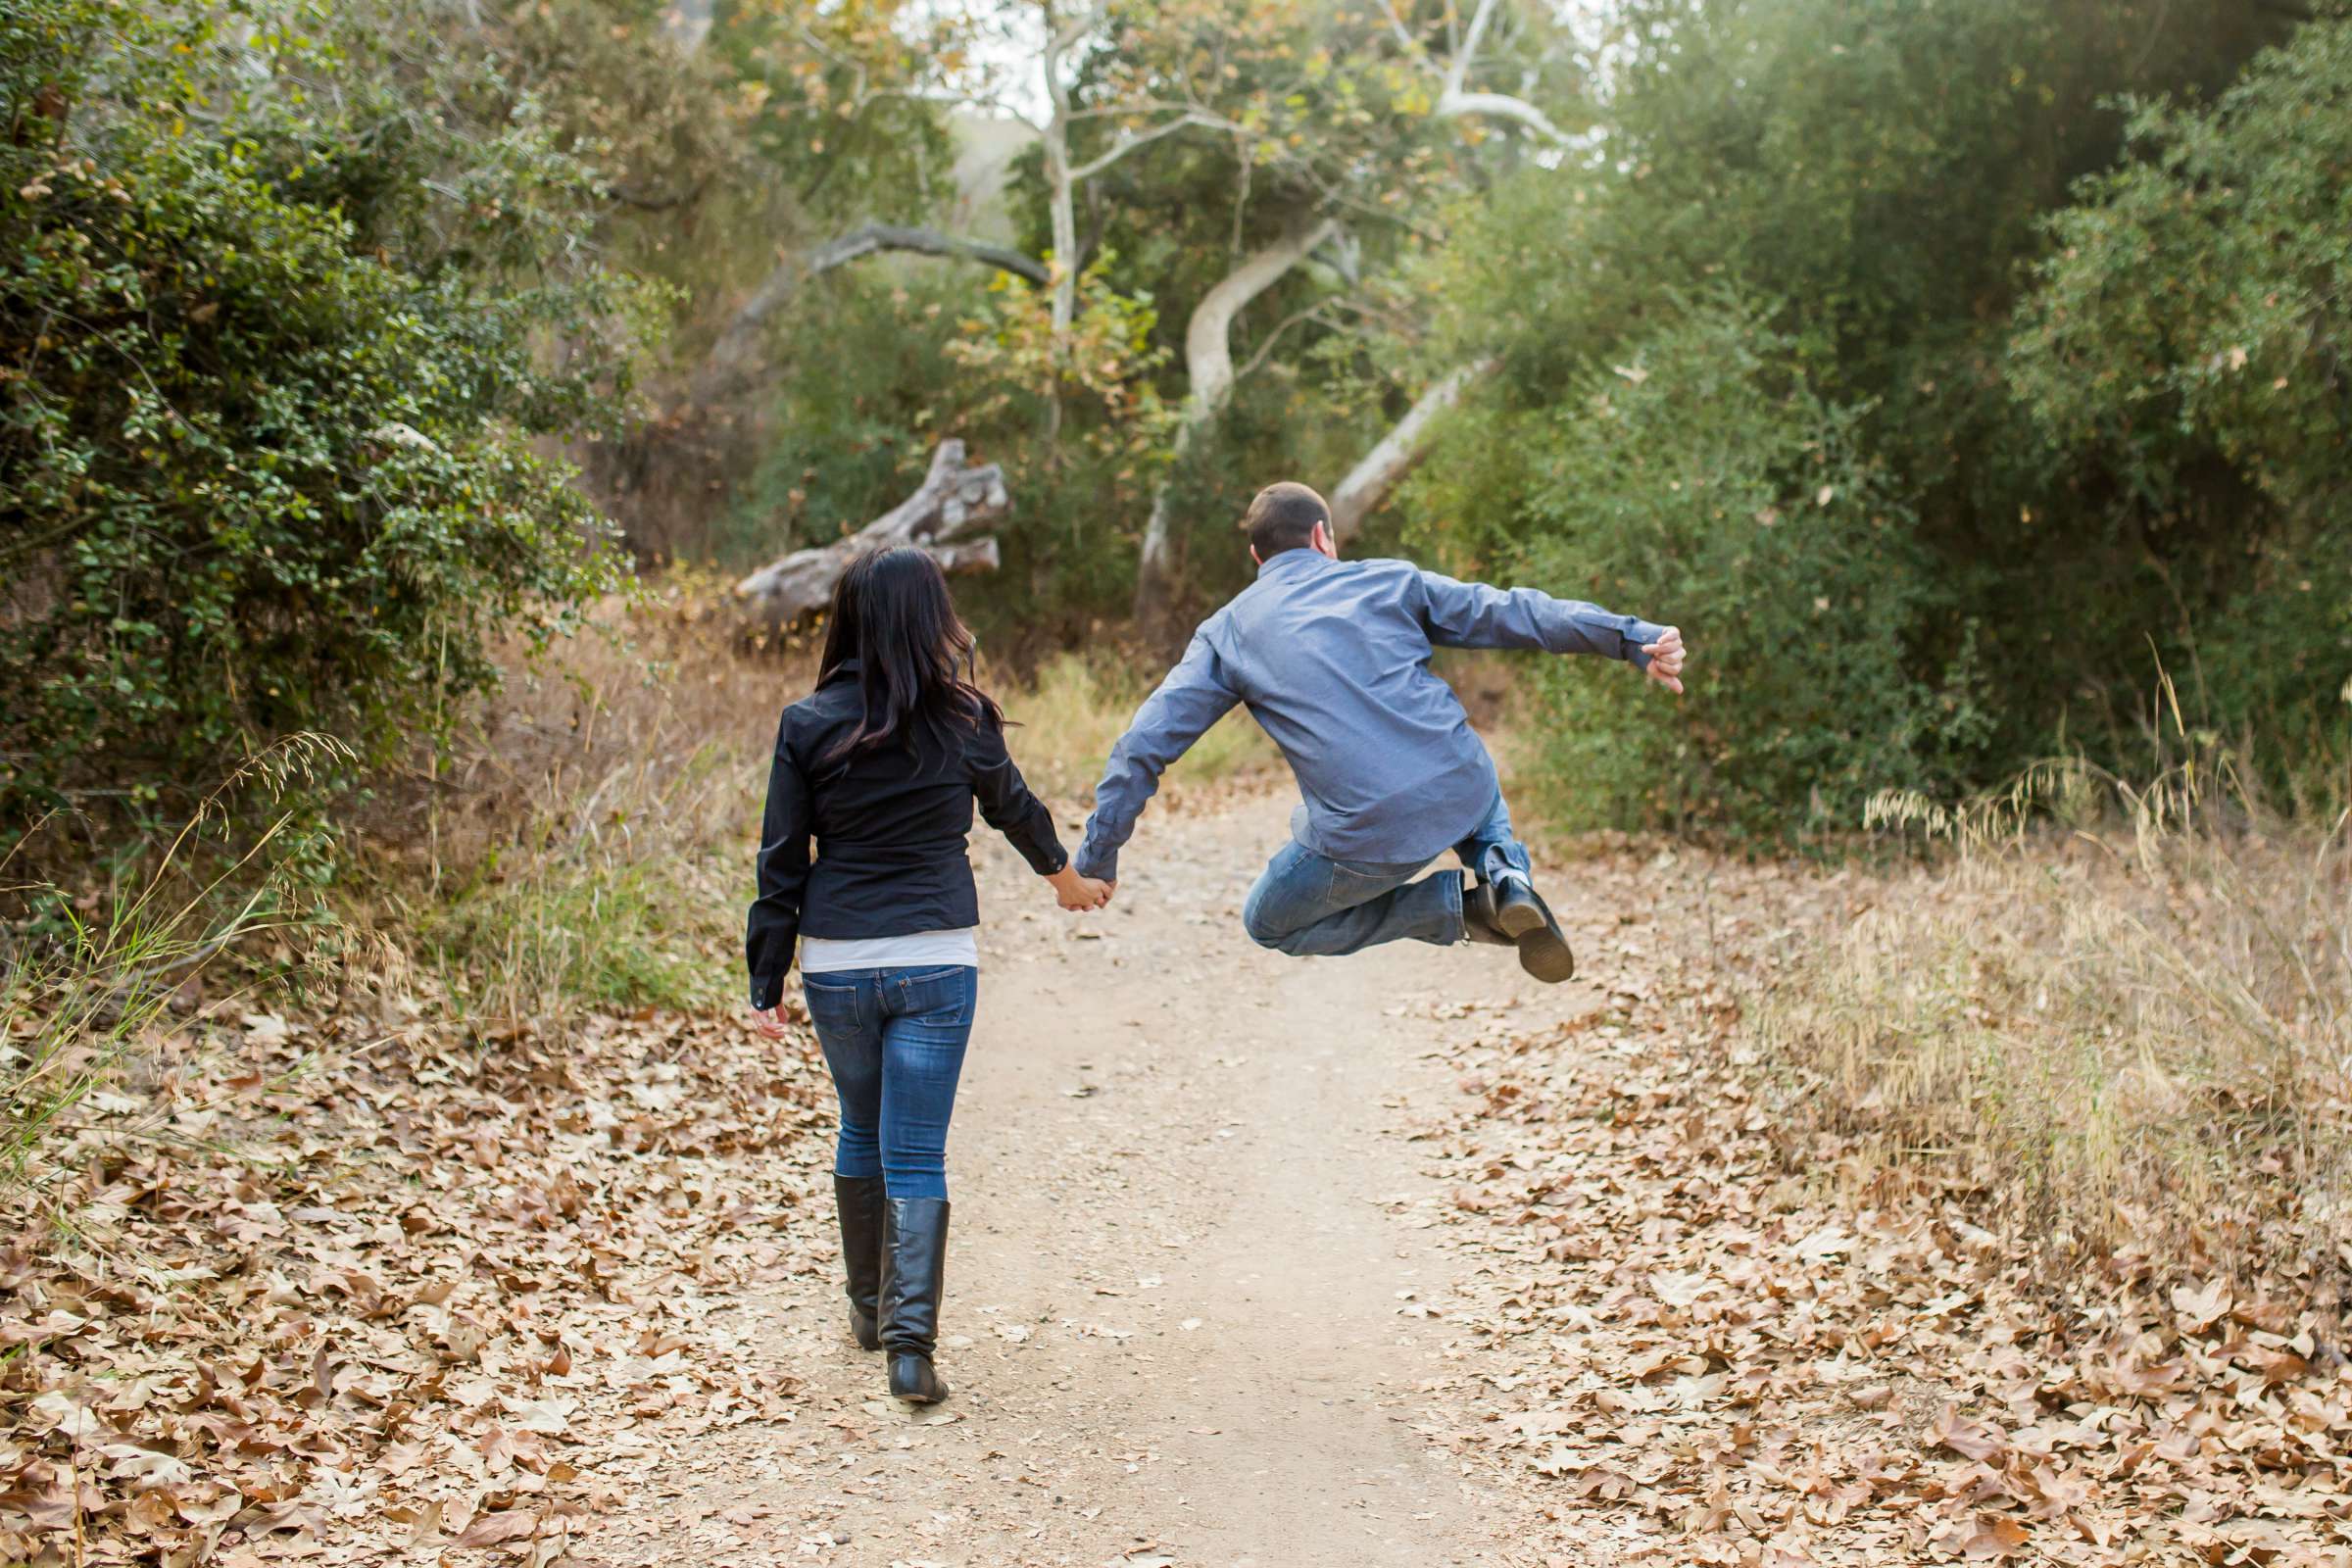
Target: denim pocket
(937,996)
(831,1007)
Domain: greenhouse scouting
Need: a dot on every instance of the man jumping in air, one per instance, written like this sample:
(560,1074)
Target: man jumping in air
(1332,658)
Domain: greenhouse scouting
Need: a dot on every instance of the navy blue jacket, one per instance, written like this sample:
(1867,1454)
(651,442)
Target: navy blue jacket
(891,830)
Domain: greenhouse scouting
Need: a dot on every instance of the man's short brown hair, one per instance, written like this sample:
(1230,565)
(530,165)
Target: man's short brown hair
(1283,516)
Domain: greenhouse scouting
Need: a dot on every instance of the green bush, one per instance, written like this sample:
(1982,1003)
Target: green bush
(1883,173)
(2190,330)
(277,372)
(1703,483)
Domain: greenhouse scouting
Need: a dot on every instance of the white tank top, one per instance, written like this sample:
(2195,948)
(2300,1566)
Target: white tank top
(930,949)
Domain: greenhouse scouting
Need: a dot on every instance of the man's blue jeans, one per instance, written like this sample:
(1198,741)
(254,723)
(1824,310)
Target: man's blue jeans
(1308,905)
(894,1040)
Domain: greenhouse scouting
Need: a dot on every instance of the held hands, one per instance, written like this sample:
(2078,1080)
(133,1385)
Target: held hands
(1077,893)
(766,1021)
(1666,661)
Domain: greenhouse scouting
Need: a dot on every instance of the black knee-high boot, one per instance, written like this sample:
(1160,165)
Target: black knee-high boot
(915,1260)
(858,1204)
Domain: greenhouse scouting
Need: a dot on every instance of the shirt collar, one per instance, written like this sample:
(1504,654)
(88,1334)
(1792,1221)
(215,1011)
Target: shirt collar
(1293,560)
(847,669)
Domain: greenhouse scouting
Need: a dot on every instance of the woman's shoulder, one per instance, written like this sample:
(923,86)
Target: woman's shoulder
(820,710)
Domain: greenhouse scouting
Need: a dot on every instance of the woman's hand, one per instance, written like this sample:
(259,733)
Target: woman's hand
(1078,893)
(764,1020)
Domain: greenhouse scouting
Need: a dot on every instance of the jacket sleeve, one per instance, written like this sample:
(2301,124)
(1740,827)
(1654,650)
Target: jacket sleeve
(1195,695)
(775,926)
(1472,615)
(1007,806)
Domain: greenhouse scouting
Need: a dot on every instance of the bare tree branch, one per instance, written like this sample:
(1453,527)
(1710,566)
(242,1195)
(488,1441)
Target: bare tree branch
(1396,25)
(1455,100)
(735,351)
(1129,144)
(1209,368)
(1398,452)
(924,242)
(1465,50)
(1501,106)
(1207,336)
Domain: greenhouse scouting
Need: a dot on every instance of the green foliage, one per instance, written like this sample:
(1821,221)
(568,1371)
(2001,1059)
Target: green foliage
(851,444)
(1883,173)
(914,354)
(2190,331)
(844,101)
(1767,514)
(276,322)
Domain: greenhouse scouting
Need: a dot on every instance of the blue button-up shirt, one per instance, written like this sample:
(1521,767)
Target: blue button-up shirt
(1332,658)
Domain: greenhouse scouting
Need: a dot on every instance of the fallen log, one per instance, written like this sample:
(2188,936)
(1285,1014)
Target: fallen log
(951,501)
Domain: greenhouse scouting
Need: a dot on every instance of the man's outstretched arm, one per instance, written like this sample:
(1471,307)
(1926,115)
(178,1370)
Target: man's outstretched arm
(1472,615)
(1193,697)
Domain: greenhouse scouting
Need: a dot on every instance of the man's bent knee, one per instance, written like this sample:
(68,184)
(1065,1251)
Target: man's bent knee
(1260,925)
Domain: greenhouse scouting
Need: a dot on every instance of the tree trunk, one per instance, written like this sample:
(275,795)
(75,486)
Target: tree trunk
(952,500)
(1061,189)
(1208,368)
(1369,483)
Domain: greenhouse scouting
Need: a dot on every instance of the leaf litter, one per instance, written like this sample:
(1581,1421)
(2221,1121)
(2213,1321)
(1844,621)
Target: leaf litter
(347,1288)
(368,1286)
(1733,1339)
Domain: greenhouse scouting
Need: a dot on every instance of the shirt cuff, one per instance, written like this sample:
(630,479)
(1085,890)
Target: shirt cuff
(1101,864)
(1045,856)
(1639,634)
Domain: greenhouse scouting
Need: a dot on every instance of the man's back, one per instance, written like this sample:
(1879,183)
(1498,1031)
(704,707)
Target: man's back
(1333,660)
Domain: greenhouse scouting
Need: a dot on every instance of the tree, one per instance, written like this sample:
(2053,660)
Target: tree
(272,317)
(1287,131)
(1332,131)
(2190,331)
(1874,179)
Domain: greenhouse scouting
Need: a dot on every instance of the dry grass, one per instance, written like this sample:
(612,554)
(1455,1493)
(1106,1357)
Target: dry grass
(87,978)
(1075,708)
(587,845)
(2126,1011)
(590,845)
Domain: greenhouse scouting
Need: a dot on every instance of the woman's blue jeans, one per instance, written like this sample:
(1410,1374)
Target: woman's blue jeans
(894,1040)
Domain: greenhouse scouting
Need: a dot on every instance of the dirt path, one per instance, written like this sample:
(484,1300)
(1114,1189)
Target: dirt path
(1191,1262)
(1406,1260)
(1394,1260)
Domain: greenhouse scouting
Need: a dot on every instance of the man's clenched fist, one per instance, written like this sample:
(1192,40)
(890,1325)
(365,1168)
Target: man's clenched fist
(1666,660)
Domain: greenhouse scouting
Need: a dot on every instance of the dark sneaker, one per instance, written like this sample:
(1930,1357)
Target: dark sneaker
(1520,912)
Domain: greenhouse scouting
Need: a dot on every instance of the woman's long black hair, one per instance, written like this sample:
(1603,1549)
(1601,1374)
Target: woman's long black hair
(893,614)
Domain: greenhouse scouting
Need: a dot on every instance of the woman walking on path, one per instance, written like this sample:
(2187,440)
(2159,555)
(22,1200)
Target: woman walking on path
(880,766)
